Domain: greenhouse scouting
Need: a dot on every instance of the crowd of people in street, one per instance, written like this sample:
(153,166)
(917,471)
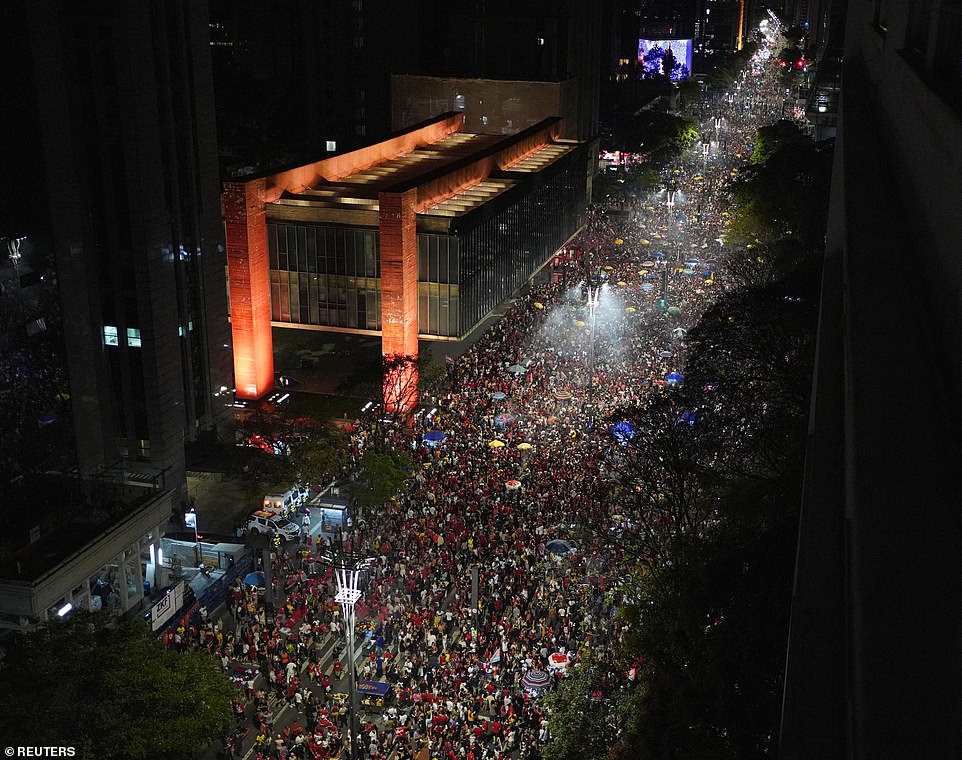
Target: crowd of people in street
(495,505)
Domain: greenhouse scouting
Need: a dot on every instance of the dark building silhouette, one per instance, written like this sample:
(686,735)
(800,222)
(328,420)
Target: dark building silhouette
(124,109)
(875,653)
(316,76)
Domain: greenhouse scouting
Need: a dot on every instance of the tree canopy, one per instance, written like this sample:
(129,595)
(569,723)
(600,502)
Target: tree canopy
(109,689)
(383,473)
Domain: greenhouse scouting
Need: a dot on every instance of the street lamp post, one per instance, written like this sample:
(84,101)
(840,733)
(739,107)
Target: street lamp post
(190,519)
(594,295)
(347,572)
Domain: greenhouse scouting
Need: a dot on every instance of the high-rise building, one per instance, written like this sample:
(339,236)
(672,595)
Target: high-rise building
(874,650)
(126,119)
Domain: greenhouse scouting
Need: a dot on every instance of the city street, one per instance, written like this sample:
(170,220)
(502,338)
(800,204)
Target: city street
(515,457)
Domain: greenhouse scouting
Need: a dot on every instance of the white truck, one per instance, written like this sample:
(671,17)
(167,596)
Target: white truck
(284,502)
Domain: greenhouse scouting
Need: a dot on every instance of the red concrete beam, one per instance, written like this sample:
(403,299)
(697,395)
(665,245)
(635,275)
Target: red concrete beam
(249,280)
(399,291)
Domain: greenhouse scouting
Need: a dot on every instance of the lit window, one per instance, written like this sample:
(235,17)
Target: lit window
(541,40)
(110,336)
(459,102)
(484,121)
(331,145)
(133,337)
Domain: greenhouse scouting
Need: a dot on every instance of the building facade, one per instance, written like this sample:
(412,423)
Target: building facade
(418,236)
(125,108)
(874,648)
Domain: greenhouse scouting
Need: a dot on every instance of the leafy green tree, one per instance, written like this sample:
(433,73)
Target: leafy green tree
(319,458)
(383,474)
(784,194)
(711,634)
(582,713)
(109,689)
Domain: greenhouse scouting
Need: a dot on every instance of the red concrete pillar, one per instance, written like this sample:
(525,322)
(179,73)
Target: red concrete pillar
(399,295)
(249,279)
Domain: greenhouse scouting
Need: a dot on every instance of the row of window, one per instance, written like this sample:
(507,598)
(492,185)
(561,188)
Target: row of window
(112,335)
(330,276)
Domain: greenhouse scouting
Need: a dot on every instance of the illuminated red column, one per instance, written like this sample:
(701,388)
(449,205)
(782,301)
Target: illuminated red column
(399,295)
(248,275)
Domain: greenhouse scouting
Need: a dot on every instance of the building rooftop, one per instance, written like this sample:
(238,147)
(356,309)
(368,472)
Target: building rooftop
(58,519)
(454,172)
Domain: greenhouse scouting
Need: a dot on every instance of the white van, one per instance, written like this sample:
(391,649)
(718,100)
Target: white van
(284,502)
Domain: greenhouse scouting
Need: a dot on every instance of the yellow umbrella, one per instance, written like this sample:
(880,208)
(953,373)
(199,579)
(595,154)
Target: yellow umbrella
(622,283)
(538,305)
(698,176)
(677,171)
(579,323)
(724,213)
(609,267)
(645,242)
(642,271)
(618,241)
(496,444)
(631,309)
(656,236)
(525,446)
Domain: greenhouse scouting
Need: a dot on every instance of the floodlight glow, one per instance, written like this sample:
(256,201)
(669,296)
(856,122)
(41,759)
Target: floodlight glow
(65,609)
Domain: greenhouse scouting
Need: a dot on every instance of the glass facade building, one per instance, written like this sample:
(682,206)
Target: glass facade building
(328,275)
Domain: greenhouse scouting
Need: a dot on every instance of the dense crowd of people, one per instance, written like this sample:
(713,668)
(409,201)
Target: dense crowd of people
(498,495)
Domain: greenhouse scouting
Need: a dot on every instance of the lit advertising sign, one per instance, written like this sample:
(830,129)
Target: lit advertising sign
(164,610)
(651,52)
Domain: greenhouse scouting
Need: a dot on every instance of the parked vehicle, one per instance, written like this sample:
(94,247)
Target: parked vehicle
(286,501)
(262,522)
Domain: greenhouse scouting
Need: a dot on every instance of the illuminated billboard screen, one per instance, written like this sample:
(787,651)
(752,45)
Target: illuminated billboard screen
(652,52)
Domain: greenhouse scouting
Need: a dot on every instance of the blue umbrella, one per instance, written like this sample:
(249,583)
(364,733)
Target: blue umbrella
(692,262)
(434,435)
(557,546)
(707,273)
(673,378)
(256,578)
(652,276)
(623,431)
(647,287)
(658,255)
(498,396)
(688,271)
